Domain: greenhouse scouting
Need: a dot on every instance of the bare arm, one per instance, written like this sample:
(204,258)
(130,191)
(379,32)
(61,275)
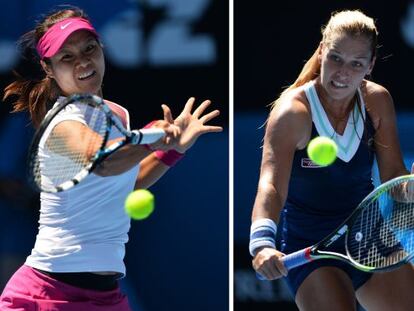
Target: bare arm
(74,139)
(288,129)
(151,170)
(387,145)
(122,160)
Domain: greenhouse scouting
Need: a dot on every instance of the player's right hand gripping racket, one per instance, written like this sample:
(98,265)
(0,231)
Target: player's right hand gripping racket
(379,234)
(74,138)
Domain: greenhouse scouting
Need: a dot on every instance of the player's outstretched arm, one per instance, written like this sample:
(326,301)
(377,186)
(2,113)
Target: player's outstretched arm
(189,126)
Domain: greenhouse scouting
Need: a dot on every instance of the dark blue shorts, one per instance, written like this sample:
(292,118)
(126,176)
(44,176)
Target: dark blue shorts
(294,234)
(298,275)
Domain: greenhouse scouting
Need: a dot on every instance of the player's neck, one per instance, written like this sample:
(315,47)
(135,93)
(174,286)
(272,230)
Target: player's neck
(336,109)
(338,112)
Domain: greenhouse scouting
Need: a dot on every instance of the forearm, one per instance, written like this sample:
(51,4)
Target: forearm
(265,217)
(151,170)
(122,160)
(268,203)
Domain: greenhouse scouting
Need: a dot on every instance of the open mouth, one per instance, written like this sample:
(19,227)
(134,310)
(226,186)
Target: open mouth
(86,75)
(338,85)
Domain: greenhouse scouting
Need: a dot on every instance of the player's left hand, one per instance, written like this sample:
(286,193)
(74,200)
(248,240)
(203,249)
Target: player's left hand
(191,124)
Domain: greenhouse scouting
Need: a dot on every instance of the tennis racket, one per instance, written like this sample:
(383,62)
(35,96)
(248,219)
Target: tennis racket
(379,234)
(73,140)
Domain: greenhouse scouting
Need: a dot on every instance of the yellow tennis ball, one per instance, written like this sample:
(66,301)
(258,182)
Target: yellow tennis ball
(322,150)
(139,204)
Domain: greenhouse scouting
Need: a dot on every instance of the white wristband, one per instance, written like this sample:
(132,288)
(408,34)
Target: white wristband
(262,234)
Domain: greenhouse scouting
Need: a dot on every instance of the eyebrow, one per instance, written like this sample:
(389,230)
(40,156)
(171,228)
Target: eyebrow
(357,57)
(68,49)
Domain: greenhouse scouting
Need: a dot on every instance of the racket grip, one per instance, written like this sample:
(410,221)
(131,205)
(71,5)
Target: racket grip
(297,258)
(147,136)
(293,260)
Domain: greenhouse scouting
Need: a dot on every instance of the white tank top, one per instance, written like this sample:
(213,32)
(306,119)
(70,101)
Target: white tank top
(85,228)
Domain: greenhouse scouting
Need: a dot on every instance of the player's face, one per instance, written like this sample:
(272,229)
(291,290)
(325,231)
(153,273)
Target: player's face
(79,65)
(344,64)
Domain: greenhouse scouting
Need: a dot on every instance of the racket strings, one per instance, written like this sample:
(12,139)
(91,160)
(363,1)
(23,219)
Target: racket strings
(383,233)
(70,147)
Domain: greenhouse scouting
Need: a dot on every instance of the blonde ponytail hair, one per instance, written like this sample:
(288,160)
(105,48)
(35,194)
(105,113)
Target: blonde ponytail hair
(353,23)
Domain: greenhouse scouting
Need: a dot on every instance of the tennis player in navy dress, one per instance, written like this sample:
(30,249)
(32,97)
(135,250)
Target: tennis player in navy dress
(298,202)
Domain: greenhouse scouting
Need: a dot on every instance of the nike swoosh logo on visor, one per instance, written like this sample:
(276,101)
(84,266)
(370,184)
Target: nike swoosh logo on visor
(64,26)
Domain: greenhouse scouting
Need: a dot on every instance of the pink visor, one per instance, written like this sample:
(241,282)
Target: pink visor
(51,42)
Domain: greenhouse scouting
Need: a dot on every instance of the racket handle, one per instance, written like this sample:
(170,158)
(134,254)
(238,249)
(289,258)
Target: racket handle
(146,136)
(297,258)
(293,260)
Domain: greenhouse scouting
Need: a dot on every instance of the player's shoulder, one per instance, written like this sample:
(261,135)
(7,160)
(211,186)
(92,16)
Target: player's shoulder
(112,104)
(375,94)
(291,114)
(378,102)
(119,111)
(292,104)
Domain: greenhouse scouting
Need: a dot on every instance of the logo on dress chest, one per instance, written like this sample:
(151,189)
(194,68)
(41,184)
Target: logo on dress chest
(307,163)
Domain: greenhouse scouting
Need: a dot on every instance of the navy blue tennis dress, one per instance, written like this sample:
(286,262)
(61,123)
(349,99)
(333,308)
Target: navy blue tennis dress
(320,198)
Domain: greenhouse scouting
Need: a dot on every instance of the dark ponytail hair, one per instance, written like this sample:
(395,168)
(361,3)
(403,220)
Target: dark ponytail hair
(34,90)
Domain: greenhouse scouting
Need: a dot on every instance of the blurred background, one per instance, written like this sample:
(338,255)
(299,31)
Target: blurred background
(272,40)
(157,51)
